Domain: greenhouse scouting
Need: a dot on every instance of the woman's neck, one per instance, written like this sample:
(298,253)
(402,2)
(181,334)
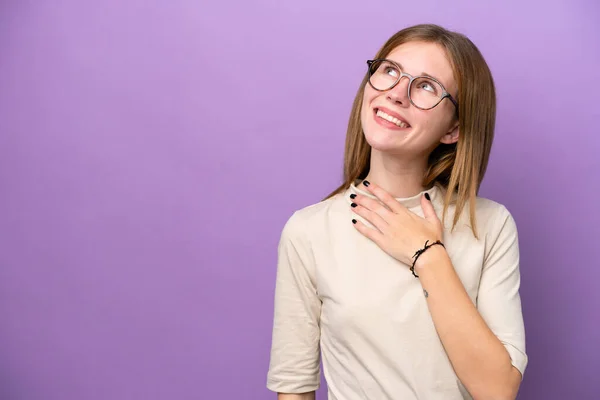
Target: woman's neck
(399,178)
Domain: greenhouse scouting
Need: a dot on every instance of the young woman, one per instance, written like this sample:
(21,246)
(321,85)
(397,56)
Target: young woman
(404,282)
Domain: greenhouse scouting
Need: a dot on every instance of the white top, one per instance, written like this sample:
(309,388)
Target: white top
(340,296)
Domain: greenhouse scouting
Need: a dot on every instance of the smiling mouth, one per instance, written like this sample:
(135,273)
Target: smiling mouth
(391,119)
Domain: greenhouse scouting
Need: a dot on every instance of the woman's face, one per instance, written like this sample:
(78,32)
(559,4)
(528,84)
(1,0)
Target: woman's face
(420,130)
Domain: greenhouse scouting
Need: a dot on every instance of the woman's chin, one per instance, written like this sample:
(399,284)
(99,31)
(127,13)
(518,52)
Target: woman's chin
(384,143)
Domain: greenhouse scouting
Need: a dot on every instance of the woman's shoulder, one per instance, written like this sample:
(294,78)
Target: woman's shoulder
(315,216)
(486,209)
(485,206)
(492,215)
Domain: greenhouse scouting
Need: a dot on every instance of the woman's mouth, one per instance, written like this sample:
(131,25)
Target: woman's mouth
(389,120)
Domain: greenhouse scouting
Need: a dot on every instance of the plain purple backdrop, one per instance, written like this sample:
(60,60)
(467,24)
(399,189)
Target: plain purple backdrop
(151,151)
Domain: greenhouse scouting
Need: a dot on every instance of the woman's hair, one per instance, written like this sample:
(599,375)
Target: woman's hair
(459,167)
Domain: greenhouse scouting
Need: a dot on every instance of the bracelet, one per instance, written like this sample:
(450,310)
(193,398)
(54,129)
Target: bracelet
(419,252)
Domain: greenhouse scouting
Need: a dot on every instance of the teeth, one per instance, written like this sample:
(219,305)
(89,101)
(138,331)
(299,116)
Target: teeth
(394,120)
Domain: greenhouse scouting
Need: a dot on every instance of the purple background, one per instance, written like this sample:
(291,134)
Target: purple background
(151,151)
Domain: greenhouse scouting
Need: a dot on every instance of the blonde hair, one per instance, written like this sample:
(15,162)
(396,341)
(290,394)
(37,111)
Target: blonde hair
(459,167)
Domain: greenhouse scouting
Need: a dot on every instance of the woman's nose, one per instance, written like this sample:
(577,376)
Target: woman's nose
(399,93)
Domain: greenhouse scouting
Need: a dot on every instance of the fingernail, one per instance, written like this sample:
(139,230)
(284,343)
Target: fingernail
(366,183)
(353,204)
(352,196)
(427,196)
(353,221)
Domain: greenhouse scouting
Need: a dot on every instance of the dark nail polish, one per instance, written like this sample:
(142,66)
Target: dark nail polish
(366,183)
(353,204)
(352,196)
(427,196)
(353,221)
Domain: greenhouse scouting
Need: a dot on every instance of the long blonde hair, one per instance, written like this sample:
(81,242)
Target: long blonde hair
(458,167)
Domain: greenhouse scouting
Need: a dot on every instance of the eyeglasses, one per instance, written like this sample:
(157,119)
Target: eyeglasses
(424,92)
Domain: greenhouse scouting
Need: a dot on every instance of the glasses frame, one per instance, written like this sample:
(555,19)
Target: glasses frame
(411,78)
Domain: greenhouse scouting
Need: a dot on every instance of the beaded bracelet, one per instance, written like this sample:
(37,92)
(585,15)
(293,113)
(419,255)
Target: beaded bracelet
(419,252)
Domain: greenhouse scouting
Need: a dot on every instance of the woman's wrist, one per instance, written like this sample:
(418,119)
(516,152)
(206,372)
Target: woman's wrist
(430,259)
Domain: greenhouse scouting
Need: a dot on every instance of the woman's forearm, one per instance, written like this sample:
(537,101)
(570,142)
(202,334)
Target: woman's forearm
(294,396)
(479,359)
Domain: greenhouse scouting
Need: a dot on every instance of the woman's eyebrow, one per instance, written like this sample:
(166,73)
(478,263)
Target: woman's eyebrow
(431,76)
(422,73)
(425,74)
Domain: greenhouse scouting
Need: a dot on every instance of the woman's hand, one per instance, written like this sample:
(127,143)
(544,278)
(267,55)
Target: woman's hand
(400,232)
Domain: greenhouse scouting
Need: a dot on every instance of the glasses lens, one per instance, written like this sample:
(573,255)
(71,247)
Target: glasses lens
(383,75)
(425,92)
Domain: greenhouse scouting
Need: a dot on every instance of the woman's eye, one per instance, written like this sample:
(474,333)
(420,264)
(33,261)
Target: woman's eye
(427,87)
(391,71)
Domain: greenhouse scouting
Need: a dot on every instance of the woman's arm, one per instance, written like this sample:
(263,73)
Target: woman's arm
(301,396)
(479,359)
(485,342)
(469,332)
(295,353)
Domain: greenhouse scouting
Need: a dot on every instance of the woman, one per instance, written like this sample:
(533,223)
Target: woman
(399,302)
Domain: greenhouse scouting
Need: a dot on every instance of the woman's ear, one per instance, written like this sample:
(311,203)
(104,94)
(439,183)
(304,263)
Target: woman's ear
(452,135)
